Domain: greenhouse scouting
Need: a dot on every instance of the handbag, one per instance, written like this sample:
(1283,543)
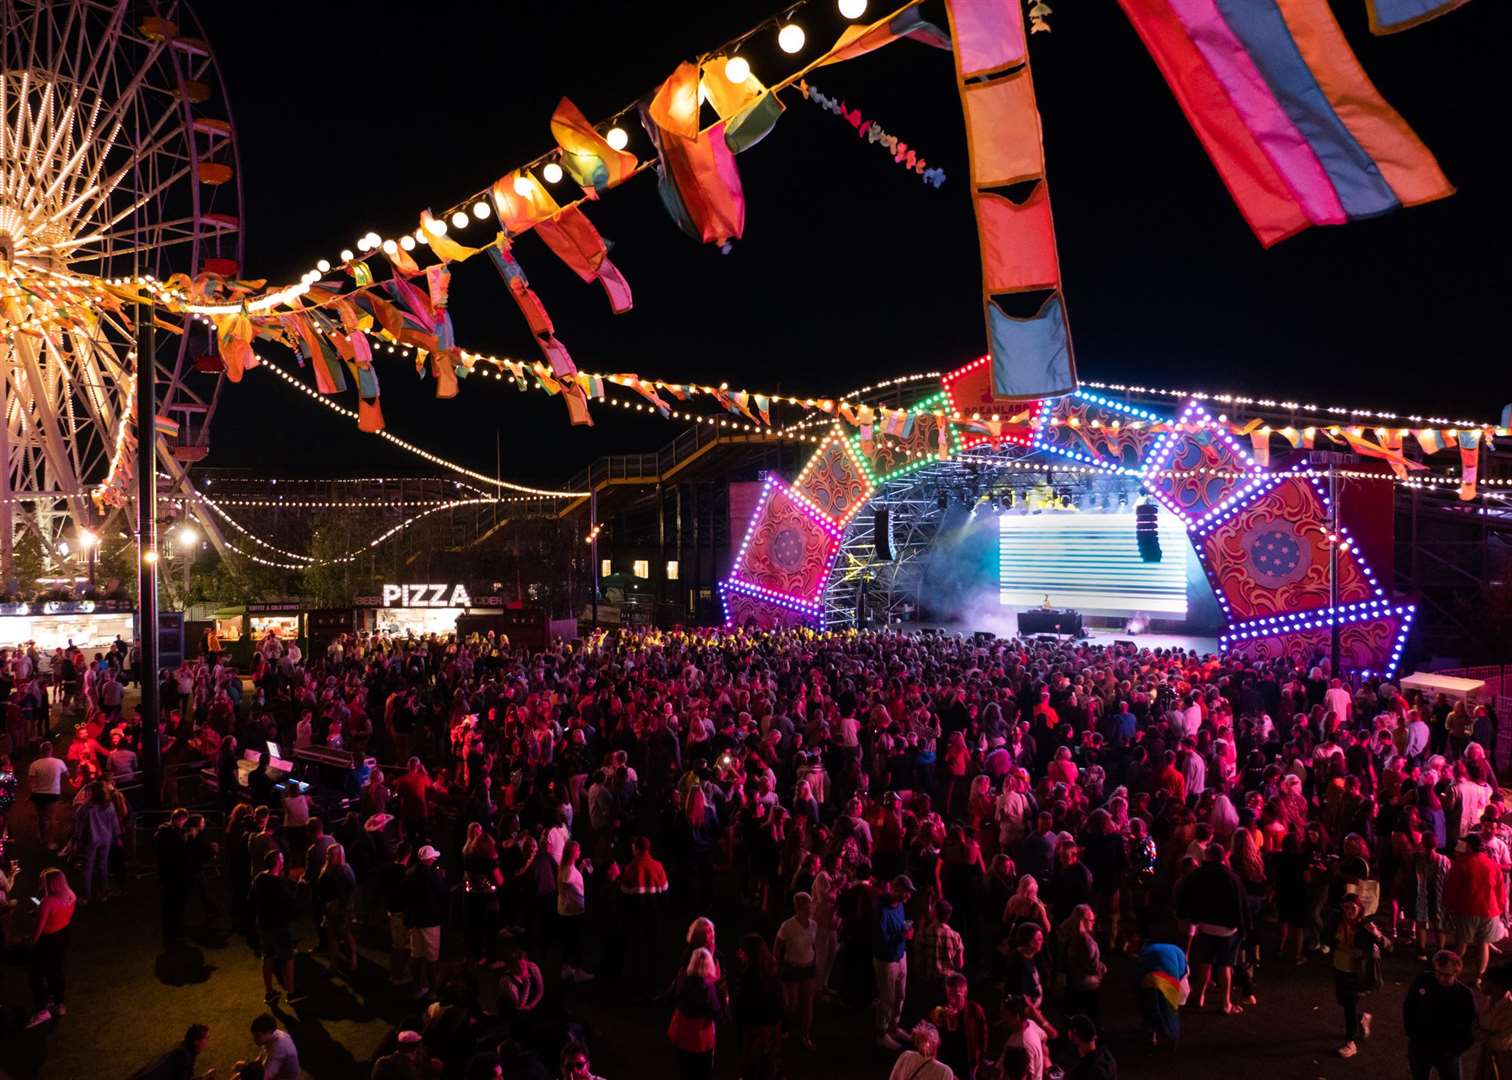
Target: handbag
(1372,977)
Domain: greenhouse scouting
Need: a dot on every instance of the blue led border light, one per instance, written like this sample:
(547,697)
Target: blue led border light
(1165,447)
(807,608)
(1323,619)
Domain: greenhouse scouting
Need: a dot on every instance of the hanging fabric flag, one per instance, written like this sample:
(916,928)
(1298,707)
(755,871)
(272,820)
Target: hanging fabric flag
(857,41)
(1430,439)
(586,157)
(444,247)
(1365,448)
(873,133)
(1389,16)
(522,202)
(1030,354)
(645,390)
(754,123)
(1279,100)
(696,176)
(540,326)
(438,284)
(988,35)
(577,404)
(674,106)
(578,244)
(728,98)
(763,408)
(1260,447)
(401,262)
(1469,448)
(362,276)
(1031,357)
(369,415)
(234,340)
(444,369)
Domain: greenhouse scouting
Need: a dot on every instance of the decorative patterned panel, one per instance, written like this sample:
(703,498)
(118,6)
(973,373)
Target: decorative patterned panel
(1371,636)
(834,480)
(1096,431)
(1196,498)
(890,456)
(790,546)
(1272,556)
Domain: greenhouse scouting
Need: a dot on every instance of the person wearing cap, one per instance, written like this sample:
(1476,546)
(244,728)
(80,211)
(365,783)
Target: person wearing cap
(891,932)
(408,1060)
(426,898)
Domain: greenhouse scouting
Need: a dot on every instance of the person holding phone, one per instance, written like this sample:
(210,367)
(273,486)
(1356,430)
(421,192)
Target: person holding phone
(55,910)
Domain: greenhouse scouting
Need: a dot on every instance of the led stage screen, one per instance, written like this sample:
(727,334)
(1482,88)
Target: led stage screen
(1089,561)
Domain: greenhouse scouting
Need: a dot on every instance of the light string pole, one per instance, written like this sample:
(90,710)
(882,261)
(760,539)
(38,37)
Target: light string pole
(147,554)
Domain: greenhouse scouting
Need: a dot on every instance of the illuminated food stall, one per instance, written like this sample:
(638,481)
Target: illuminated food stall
(53,624)
(240,629)
(419,608)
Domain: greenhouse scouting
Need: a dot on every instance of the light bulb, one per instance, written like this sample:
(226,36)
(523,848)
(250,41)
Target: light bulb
(407,242)
(480,209)
(373,240)
(790,38)
(552,172)
(737,69)
(436,227)
(362,244)
(852,9)
(324,265)
(346,255)
(522,186)
(420,237)
(87,538)
(617,138)
(389,247)
(149,557)
(187,537)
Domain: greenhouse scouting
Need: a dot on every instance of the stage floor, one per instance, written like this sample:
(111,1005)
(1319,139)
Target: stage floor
(1006,625)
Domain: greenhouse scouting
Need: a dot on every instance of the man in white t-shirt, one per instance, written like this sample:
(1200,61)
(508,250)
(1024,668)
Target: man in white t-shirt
(45,779)
(1473,798)
(1025,1034)
(797,959)
(1339,705)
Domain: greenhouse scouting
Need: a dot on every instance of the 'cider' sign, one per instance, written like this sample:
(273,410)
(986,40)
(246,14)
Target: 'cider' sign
(442,596)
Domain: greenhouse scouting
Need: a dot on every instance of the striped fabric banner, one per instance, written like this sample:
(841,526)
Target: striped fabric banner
(1289,118)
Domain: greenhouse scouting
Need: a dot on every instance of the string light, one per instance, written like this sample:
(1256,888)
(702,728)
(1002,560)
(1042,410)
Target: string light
(552,172)
(617,138)
(480,210)
(459,220)
(790,38)
(737,69)
(852,9)
(435,459)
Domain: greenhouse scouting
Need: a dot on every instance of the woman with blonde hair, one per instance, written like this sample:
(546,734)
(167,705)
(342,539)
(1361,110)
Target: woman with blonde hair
(1025,906)
(1081,961)
(49,946)
(698,1006)
(335,889)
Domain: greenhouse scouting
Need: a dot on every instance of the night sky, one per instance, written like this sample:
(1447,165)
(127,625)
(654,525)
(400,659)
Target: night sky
(352,116)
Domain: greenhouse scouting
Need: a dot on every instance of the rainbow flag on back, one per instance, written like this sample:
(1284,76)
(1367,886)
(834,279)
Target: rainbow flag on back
(1288,116)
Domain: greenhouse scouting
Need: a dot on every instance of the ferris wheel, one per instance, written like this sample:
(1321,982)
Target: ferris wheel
(118,159)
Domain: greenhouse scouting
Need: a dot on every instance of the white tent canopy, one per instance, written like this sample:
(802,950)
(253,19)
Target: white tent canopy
(1452,687)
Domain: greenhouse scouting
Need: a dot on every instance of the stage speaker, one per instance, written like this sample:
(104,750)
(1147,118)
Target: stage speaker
(882,534)
(1147,531)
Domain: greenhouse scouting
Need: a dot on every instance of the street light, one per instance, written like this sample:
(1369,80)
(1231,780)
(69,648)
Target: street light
(89,541)
(187,537)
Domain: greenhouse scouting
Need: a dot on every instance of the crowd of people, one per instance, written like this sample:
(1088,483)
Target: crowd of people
(959,838)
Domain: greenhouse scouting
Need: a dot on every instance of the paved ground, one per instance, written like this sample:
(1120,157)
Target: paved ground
(129,1001)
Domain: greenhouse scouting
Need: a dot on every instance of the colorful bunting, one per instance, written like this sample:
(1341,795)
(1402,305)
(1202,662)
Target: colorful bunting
(445,248)
(234,340)
(859,40)
(873,133)
(578,244)
(586,157)
(522,202)
(697,178)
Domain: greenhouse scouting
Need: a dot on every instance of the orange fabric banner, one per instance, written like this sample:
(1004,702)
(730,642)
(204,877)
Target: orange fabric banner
(1407,165)
(675,106)
(728,98)
(369,415)
(519,212)
(1018,242)
(588,159)
(1003,131)
(707,179)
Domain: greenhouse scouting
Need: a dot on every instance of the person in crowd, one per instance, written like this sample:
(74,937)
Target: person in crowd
(1438,1014)
(49,947)
(1093,1061)
(1212,901)
(891,932)
(45,778)
(698,1006)
(1163,990)
(425,897)
(179,1063)
(1356,948)
(335,894)
(97,832)
(759,1008)
(1024,1034)
(797,960)
(274,907)
(1493,1024)
(922,1062)
(962,1027)
(1475,899)
(277,1055)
